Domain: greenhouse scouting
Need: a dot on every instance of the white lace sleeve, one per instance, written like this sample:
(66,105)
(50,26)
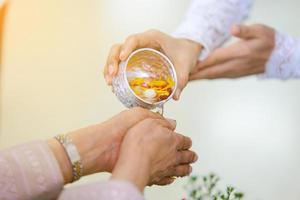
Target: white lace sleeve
(208,21)
(284,62)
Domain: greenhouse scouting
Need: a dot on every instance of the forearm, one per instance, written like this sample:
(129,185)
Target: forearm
(208,21)
(110,190)
(28,172)
(284,62)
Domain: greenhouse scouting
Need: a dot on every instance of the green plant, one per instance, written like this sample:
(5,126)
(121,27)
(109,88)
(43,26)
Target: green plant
(205,188)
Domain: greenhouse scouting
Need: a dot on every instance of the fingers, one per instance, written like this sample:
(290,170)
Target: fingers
(222,55)
(141,113)
(246,32)
(128,118)
(133,42)
(182,170)
(165,181)
(224,70)
(121,52)
(183,142)
(182,72)
(131,117)
(182,78)
(112,63)
(187,157)
(169,123)
(130,44)
(178,171)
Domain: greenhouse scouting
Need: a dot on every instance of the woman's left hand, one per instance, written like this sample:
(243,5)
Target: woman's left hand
(245,57)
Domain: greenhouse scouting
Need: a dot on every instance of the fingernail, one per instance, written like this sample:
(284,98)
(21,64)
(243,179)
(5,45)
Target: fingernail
(173,122)
(111,69)
(195,158)
(177,94)
(190,170)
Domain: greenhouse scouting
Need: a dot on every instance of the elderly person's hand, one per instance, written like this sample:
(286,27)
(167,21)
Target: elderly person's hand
(182,52)
(245,57)
(152,153)
(99,144)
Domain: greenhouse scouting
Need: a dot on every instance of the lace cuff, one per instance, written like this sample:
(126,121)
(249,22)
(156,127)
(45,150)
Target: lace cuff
(208,22)
(284,62)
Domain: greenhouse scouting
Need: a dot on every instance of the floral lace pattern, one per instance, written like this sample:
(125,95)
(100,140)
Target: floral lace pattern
(208,22)
(111,190)
(284,62)
(29,172)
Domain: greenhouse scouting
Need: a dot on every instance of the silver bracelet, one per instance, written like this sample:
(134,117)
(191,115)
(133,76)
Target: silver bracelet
(73,155)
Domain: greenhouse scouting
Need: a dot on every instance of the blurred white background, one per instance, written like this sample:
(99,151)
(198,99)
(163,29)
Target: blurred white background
(245,130)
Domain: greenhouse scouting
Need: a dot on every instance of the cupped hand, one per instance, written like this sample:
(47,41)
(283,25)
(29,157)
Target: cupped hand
(182,52)
(245,57)
(152,153)
(99,144)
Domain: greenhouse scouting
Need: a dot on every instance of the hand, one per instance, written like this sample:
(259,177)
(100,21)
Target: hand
(99,144)
(152,152)
(182,52)
(245,57)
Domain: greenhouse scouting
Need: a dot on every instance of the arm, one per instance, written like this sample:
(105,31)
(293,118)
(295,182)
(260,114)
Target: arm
(22,173)
(112,190)
(144,159)
(30,172)
(260,50)
(38,170)
(208,22)
(205,27)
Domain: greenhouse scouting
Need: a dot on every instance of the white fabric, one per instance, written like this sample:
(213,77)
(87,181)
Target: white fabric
(284,63)
(208,22)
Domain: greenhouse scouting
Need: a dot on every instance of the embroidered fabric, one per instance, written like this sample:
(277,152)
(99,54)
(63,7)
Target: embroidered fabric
(284,62)
(209,21)
(111,190)
(31,172)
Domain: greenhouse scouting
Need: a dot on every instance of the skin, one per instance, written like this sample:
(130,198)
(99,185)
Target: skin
(246,57)
(99,145)
(155,154)
(182,52)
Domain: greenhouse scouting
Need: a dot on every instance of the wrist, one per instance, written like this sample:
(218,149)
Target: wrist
(95,145)
(62,160)
(195,46)
(136,171)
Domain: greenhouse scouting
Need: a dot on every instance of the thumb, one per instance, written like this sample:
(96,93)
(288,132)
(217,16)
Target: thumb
(245,32)
(182,78)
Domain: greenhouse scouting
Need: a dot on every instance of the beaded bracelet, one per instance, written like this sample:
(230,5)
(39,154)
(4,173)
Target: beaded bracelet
(73,155)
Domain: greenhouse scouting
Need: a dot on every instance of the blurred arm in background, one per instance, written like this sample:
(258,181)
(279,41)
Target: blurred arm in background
(260,50)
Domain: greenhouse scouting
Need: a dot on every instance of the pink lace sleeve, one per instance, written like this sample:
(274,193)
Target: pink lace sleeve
(208,22)
(111,190)
(29,172)
(284,62)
